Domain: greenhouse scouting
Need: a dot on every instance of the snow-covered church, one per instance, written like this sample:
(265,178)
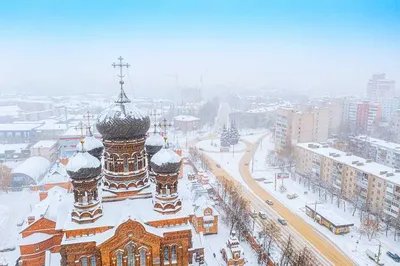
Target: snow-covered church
(115,215)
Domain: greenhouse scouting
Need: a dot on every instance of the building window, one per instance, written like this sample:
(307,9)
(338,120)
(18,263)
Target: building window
(119,259)
(84,262)
(173,253)
(126,165)
(93,261)
(166,254)
(131,256)
(142,257)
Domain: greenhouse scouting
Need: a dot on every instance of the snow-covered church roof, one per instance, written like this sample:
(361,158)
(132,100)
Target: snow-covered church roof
(166,161)
(83,165)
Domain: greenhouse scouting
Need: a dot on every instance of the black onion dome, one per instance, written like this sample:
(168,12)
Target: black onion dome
(123,121)
(82,165)
(165,161)
(154,143)
(92,145)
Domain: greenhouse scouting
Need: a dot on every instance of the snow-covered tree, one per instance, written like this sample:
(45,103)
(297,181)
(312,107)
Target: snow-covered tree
(233,134)
(5,178)
(225,139)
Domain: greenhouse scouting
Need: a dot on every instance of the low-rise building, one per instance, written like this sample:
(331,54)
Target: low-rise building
(46,148)
(374,186)
(186,123)
(327,218)
(18,133)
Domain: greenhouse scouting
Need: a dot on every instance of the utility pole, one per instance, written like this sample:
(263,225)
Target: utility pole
(379,254)
(315,210)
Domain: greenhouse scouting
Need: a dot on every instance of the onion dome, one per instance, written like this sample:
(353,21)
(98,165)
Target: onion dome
(165,161)
(154,143)
(93,146)
(122,120)
(82,165)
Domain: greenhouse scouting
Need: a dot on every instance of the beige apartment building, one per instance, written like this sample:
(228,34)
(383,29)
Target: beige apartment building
(300,124)
(375,185)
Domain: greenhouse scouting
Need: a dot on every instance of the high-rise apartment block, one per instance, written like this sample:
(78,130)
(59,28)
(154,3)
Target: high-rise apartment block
(379,87)
(300,124)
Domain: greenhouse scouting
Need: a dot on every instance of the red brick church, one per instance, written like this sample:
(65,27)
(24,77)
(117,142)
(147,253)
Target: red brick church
(115,215)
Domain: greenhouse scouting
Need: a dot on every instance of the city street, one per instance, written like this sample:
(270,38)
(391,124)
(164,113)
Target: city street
(303,234)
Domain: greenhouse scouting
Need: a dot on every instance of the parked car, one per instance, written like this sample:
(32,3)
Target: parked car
(269,202)
(253,214)
(218,165)
(292,196)
(393,256)
(7,248)
(246,164)
(262,215)
(282,221)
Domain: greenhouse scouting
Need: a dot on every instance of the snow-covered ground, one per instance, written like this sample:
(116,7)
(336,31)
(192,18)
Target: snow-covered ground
(14,207)
(347,243)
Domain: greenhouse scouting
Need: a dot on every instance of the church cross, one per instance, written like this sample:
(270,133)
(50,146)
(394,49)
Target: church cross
(80,127)
(88,116)
(122,98)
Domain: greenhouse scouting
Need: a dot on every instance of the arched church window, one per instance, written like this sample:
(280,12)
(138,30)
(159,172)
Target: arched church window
(119,259)
(142,257)
(135,162)
(131,255)
(116,165)
(93,261)
(84,262)
(173,253)
(166,254)
(126,165)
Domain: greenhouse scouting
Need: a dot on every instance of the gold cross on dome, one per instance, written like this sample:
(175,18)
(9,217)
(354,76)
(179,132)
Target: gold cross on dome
(164,125)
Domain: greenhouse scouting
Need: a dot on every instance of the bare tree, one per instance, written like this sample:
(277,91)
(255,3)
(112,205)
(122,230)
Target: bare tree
(370,227)
(305,257)
(5,177)
(271,233)
(287,252)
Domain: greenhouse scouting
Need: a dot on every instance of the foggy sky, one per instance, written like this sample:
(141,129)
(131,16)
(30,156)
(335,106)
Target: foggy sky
(62,56)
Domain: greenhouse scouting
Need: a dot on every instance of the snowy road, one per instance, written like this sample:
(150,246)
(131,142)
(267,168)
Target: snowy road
(325,253)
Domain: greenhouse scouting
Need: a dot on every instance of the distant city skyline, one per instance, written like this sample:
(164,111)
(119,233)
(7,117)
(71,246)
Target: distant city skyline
(323,48)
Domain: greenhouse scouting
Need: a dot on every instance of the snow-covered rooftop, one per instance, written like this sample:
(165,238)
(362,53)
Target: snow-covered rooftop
(44,144)
(331,216)
(34,167)
(165,156)
(378,142)
(155,140)
(19,127)
(34,238)
(380,170)
(82,160)
(10,110)
(90,143)
(17,147)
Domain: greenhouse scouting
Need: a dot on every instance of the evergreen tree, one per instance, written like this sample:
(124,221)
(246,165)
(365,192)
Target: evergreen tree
(233,134)
(225,138)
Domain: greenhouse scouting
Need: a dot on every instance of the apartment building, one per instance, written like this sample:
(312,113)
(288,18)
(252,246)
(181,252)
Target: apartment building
(361,116)
(395,126)
(300,124)
(374,185)
(389,108)
(379,87)
(380,151)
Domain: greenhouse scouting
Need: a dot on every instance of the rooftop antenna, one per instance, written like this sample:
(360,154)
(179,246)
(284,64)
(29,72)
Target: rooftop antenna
(122,98)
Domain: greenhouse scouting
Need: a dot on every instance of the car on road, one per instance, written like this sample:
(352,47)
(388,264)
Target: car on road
(269,202)
(246,164)
(218,165)
(292,196)
(262,215)
(282,221)
(7,248)
(201,149)
(393,256)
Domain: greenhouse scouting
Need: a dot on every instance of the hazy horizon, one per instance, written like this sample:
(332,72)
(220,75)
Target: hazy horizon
(331,48)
